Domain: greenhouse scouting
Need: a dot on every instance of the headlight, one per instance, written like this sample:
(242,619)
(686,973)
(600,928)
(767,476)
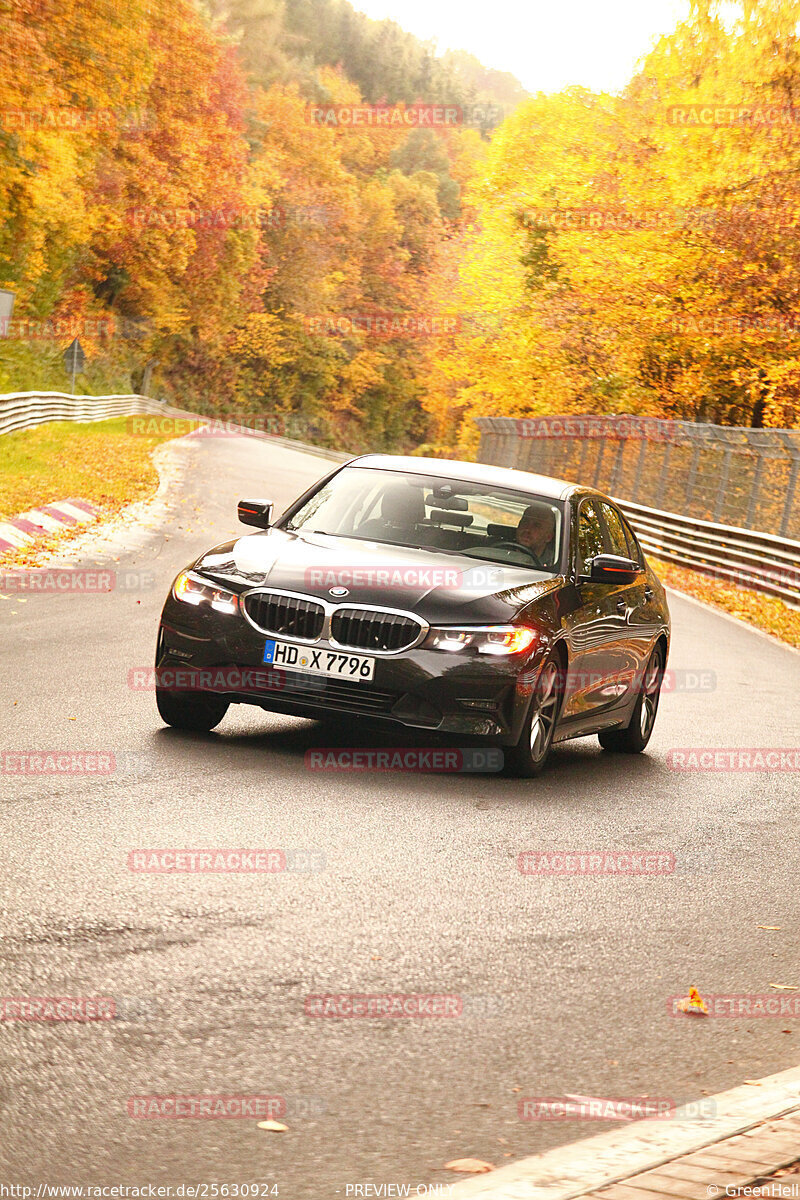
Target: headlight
(485,639)
(191,589)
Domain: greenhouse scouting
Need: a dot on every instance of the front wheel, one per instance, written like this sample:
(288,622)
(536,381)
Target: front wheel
(527,759)
(636,734)
(200,713)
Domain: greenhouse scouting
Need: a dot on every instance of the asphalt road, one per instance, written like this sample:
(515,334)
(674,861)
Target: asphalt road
(564,981)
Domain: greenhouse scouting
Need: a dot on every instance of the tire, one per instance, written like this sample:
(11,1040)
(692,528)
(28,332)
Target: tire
(200,713)
(633,738)
(528,758)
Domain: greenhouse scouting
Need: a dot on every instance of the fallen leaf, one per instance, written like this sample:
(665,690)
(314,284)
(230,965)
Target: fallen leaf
(693,1005)
(785,987)
(273,1126)
(469,1166)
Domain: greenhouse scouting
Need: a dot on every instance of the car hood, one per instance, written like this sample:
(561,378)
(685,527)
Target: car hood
(438,587)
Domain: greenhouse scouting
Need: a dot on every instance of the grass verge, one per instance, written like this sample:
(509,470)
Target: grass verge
(767,613)
(103,462)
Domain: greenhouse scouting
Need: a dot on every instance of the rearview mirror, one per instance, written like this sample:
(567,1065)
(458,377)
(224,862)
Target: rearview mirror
(256,512)
(611,568)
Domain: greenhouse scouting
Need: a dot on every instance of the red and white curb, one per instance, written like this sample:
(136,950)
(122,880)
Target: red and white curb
(18,532)
(571,1171)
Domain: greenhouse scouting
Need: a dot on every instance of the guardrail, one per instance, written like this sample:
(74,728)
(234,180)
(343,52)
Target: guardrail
(753,559)
(765,562)
(760,561)
(25,410)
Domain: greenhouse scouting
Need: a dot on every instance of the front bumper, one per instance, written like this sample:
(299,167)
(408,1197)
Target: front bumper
(461,693)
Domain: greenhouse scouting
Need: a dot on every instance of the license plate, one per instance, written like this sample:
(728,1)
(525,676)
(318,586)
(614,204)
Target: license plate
(319,662)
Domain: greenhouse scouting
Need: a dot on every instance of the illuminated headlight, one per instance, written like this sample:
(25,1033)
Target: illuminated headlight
(485,639)
(191,589)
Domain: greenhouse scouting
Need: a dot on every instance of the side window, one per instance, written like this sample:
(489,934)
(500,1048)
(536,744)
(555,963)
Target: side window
(634,549)
(618,542)
(590,535)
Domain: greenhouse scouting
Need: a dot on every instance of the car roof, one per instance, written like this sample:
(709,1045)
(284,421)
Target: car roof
(448,468)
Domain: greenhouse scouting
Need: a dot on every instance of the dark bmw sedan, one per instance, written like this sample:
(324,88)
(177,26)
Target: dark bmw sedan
(438,595)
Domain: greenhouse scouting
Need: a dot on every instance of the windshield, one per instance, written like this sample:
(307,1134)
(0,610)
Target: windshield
(450,515)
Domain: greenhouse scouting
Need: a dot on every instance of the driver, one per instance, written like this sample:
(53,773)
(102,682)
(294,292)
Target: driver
(537,531)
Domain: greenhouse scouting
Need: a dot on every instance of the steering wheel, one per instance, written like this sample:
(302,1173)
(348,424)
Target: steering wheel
(519,546)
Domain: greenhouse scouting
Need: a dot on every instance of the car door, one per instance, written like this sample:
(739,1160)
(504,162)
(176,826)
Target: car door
(645,618)
(595,628)
(629,599)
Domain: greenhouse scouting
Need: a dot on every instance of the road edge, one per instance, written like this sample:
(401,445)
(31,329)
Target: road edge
(742,624)
(571,1171)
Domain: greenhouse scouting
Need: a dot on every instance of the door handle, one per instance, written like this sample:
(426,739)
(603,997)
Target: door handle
(621,606)
(648,593)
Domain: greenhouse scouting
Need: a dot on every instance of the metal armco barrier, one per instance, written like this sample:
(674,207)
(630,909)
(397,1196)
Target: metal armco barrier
(24,410)
(701,471)
(755,560)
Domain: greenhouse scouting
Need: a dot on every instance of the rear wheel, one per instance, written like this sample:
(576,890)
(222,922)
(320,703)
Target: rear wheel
(200,713)
(528,757)
(636,734)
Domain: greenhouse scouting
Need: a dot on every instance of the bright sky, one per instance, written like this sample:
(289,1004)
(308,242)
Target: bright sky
(547,44)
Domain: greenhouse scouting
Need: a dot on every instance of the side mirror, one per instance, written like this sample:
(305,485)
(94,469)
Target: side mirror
(611,568)
(256,512)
